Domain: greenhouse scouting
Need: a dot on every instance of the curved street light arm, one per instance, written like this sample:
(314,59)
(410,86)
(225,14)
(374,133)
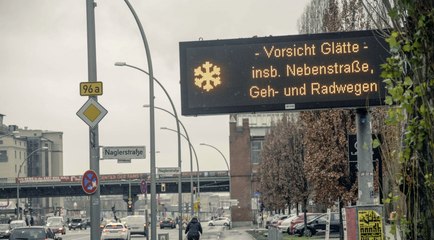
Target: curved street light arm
(151,126)
(27,158)
(226,161)
(18,182)
(191,156)
(188,140)
(195,155)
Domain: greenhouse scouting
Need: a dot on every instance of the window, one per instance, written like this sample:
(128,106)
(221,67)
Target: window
(255,150)
(3,156)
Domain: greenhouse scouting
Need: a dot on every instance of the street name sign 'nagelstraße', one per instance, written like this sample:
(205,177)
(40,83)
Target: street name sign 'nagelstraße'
(330,70)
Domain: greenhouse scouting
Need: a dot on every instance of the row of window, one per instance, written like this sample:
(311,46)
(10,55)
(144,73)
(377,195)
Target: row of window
(17,143)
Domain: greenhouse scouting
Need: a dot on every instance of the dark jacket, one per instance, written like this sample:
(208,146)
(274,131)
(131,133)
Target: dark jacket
(193,228)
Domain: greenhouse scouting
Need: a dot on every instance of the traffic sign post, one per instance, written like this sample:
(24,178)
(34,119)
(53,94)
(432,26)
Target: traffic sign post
(92,114)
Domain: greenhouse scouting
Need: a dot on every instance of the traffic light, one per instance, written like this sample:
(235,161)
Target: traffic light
(130,207)
(163,187)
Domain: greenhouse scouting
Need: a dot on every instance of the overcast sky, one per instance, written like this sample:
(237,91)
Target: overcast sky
(43,59)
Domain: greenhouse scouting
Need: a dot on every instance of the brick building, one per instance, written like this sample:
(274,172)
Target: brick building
(246,134)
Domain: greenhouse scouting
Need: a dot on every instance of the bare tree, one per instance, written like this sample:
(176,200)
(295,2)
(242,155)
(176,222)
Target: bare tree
(282,180)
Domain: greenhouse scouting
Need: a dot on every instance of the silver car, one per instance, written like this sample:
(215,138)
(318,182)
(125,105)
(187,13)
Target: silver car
(136,224)
(17,223)
(5,231)
(220,221)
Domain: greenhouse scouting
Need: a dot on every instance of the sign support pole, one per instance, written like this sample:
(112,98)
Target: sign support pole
(364,157)
(95,207)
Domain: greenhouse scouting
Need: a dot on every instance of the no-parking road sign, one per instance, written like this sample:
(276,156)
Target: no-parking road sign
(89,182)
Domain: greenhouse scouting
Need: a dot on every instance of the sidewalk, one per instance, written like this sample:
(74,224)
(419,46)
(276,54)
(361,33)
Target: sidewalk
(241,233)
(238,233)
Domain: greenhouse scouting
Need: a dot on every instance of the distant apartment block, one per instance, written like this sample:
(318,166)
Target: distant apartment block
(38,152)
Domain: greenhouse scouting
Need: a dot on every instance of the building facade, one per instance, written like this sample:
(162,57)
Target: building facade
(247,133)
(30,153)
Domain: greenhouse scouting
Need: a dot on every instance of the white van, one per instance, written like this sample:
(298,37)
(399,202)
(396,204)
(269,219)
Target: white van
(136,224)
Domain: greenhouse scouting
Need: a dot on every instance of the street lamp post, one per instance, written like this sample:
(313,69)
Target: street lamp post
(153,193)
(151,125)
(227,165)
(197,162)
(18,182)
(191,156)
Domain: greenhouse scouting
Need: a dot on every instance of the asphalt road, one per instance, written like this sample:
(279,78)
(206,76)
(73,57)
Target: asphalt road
(210,233)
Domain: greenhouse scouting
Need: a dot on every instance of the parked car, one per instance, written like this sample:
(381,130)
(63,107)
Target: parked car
(56,225)
(220,221)
(116,231)
(279,220)
(300,219)
(17,223)
(317,224)
(271,219)
(33,233)
(286,224)
(167,222)
(137,224)
(5,231)
(77,223)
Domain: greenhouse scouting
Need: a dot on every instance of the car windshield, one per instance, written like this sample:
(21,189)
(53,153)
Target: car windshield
(28,233)
(76,220)
(316,217)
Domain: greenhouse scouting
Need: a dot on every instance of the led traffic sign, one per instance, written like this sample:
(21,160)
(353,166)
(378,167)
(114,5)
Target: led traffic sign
(331,70)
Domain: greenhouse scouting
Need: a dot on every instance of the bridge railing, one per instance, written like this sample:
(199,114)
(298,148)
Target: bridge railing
(107,178)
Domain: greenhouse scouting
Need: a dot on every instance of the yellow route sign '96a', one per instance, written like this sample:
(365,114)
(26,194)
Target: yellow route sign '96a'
(90,88)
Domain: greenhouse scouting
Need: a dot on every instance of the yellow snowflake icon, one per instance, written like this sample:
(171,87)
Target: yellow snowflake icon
(207,76)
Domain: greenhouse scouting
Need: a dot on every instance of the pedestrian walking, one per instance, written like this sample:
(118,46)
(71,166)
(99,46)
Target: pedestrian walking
(193,229)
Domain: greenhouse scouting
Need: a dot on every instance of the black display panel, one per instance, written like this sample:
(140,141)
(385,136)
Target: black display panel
(331,70)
